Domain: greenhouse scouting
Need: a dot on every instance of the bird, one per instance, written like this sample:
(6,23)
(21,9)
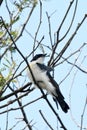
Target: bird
(45,80)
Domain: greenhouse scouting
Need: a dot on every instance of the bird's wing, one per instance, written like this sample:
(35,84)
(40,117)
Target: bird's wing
(54,83)
(59,97)
(44,67)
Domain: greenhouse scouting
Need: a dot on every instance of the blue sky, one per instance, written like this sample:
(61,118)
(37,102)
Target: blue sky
(76,81)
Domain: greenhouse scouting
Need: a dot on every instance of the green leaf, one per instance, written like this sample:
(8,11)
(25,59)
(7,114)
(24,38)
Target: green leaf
(15,20)
(1,33)
(6,58)
(12,49)
(2,83)
(14,34)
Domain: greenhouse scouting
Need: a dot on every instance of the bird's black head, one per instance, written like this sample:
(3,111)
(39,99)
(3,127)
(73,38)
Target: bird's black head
(38,56)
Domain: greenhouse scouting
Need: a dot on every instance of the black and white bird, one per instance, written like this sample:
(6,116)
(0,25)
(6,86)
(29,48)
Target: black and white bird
(42,76)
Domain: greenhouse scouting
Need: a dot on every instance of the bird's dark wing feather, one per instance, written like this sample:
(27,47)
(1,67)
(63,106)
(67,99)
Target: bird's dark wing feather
(44,67)
(59,97)
(55,85)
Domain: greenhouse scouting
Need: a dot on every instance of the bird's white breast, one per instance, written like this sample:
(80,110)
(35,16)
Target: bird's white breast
(40,76)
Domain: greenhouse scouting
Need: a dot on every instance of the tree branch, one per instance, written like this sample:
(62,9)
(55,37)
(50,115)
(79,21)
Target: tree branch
(45,120)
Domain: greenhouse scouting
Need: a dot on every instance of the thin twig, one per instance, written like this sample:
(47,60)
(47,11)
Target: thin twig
(64,18)
(45,120)
(38,28)
(56,114)
(58,30)
(22,110)
(23,113)
(7,119)
(12,101)
(69,41)
(24,25)
(50,33)
(71,21)
(70,96)
(82,116)
(16,91)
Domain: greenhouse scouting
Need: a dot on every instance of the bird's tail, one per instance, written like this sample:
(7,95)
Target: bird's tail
(62,104)
(57,95)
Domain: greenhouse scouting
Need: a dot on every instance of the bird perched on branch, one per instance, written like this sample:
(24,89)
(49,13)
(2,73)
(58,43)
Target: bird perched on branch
(42,76)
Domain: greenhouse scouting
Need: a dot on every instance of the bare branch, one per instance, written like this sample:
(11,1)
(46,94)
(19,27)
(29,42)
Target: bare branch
(69,41)
(64,18)
(45,120)
(38,28)
(16,91)
(24,25)
(1,2)
(82,116)
(57,41)
(50,35)
(7,119)
(14,100)
(71,20)
(24,114)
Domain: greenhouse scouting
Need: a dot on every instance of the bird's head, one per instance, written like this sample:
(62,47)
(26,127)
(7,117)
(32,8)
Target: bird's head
(39,58)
